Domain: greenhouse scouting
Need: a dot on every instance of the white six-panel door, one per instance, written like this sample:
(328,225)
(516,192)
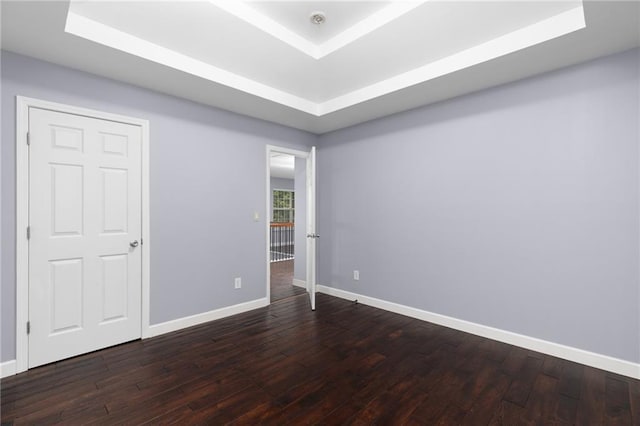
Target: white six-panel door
(85,230)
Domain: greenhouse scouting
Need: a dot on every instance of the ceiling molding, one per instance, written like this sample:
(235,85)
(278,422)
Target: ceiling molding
(367,26)
(556,26)
(435,52)
(97,32)
(243,11)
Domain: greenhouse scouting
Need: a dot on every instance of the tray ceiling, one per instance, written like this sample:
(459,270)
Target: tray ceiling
(268,60)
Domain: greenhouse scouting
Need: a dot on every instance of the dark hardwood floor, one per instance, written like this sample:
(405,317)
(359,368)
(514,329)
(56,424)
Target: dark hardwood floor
(345,363)
(282,281)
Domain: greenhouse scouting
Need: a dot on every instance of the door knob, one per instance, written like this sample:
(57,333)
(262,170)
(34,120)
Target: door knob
(134,243)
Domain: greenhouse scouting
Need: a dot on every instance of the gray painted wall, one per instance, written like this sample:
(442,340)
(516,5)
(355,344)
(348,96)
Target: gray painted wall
(300,261)
(207,178)
(515,207)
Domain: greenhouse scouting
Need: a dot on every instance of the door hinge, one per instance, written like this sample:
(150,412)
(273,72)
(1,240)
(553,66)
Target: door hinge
(28,232)
(28,327)
(28,138)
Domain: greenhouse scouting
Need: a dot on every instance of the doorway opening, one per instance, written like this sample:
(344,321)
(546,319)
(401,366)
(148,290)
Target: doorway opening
(285,214)
(282,224)
(290,230)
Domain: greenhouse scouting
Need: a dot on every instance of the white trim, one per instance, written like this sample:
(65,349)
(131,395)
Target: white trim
(289,151)
(312,242)
(290,209)
(146,234)
(547,29)
(22,221)
(190,321)
(592,359)
(97,32)
(251,16)
(300,283)
(7,368)
(22,213)
(366,26)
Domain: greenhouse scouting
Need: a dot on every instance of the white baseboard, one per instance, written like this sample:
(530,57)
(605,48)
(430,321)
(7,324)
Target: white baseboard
(180,323)
(592,359)
(300,283)
(7,368)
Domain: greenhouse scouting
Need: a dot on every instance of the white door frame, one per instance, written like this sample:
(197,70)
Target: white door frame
(270,150)
(22,213)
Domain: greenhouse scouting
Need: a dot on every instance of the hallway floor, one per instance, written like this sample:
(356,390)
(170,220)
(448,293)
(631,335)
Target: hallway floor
(282,281)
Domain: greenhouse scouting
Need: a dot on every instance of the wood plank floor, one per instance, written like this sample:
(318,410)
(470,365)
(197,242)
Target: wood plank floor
(345,363)
(282,281)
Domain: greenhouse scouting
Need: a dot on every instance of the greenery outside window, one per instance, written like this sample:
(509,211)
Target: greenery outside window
(283,206)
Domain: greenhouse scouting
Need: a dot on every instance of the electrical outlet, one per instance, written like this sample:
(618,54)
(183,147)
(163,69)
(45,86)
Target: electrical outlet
(238,282)
(356,275)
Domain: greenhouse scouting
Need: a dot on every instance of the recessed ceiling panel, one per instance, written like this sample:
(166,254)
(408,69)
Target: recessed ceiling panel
(409,53)
(202,31)
(340,16)
(436,30)
(205,33)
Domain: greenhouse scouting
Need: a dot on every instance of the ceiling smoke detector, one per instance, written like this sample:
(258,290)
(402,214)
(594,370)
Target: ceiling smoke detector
(317,18)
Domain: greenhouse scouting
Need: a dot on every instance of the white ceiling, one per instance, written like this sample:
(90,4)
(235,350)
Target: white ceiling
(282,165)
(369,59)
(341,15)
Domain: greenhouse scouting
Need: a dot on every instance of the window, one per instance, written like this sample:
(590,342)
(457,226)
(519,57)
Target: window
(283,206)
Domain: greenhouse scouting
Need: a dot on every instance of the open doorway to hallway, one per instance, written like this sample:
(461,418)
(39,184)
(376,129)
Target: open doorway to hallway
(287,225)
(282,281)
